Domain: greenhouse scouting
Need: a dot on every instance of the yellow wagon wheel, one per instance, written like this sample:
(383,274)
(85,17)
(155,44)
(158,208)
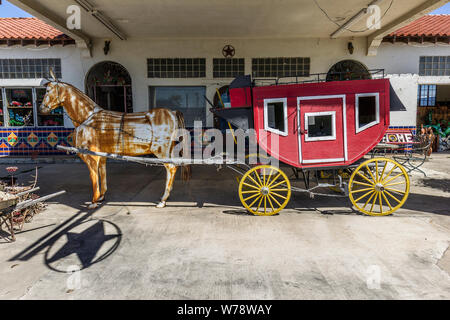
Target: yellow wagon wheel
(264,190)
(379,187)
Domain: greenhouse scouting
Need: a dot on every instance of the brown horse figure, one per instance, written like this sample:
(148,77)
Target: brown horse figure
(99,130)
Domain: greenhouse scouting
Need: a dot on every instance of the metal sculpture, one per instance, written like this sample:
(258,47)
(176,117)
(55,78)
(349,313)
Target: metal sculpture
(99,130)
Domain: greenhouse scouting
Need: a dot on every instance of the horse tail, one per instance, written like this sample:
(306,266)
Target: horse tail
(186,170)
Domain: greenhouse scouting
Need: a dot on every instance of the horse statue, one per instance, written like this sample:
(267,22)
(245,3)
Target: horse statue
(132,134)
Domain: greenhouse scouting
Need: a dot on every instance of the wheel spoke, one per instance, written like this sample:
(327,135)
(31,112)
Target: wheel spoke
(259,179)
(363,184)
(374,200)
(279,174)
(250,191)
(273,198)
(251,197)
(395,190)
(256,183)
(361,190)
(368,200)
(384,169)
(381,203)
(264,177)
(386,199)
(279,190)
(249,185)
(268,179)
(394,184)
(279,195)
(265,204)
(390,194)
(365,195)
(271,204)
(393,168)
(259,204)
(376,171)
(251,205)
(393,178)
(276,185)
(371,183)
(371,174)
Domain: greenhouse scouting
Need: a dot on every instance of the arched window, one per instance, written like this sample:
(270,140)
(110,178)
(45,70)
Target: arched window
(109,85)
(348,70)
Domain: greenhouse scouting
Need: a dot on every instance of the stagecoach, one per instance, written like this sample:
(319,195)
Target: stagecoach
(320,131)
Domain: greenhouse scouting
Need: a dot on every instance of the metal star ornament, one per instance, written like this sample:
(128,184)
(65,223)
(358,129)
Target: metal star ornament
(228,51)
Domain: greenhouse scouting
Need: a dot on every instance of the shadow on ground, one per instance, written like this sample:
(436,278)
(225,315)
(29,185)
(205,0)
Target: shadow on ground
(441,184)
(92,240)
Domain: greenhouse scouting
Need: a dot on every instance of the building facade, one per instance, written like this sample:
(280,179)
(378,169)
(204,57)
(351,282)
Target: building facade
(140,74)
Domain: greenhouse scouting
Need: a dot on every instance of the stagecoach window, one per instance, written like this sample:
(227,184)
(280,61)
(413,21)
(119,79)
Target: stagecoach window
(320,126)
(189,100)
(367,111)
(275,116)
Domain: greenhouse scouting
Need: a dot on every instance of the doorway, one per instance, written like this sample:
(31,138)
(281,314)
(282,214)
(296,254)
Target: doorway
(109,85)
(322,134)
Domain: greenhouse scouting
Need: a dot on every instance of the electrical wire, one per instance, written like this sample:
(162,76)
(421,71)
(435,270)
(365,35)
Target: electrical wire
(353,31)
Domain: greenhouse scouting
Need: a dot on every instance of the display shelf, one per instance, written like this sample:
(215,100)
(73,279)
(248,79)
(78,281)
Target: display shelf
(53,119)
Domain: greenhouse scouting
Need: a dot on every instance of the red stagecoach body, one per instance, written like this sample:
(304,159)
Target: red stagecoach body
(318,124)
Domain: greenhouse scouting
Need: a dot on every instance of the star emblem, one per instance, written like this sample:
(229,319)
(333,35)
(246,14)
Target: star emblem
(86,245)
(228,51)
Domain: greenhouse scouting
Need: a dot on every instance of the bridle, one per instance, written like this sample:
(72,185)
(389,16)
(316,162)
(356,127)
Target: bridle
(58,103)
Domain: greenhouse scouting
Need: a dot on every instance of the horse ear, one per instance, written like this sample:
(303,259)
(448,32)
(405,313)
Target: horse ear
(52,74)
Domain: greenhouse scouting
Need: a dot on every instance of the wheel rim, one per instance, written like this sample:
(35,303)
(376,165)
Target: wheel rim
(264,190)
(379,187)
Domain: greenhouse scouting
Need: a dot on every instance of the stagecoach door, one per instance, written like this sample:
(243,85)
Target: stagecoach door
(322,129)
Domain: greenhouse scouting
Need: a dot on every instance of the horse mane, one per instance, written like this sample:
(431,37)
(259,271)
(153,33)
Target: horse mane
(82,94)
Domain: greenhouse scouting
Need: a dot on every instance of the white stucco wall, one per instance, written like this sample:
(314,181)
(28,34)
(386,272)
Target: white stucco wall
(401,63)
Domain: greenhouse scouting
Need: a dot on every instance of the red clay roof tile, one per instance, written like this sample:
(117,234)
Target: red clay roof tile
(429,26)
(28,29)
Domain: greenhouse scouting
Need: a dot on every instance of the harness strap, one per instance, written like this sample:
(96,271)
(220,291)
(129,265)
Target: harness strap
(122,120)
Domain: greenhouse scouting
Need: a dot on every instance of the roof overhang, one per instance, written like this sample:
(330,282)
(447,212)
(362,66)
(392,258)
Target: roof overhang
(230,19)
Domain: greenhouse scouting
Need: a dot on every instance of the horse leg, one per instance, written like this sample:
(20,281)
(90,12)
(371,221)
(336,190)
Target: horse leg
(171,171)
(102,173)
(92,163)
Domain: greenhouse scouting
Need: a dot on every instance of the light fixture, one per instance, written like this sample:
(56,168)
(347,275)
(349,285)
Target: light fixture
(353,20)
(100,17)
(107,47)
(350,47)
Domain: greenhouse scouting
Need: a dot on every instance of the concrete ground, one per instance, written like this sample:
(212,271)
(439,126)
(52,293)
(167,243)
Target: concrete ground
(205,246)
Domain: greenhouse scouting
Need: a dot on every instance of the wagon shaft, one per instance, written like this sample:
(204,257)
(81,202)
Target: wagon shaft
(154,161)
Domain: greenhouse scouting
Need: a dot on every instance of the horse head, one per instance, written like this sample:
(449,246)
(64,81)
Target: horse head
(53,97)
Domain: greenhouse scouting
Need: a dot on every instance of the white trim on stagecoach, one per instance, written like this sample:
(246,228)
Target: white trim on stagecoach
(377,111)
(344,120)
(285,116)
(333,125)
(323,160)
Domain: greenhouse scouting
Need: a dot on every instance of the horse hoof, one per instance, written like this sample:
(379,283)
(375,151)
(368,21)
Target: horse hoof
(93,206)
(101,199)
(161,205)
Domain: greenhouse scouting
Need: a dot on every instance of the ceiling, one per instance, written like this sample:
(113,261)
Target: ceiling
(225,18)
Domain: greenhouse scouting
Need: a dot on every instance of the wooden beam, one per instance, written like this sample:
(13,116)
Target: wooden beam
(374,40)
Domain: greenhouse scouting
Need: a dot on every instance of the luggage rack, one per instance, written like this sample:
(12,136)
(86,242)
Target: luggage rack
(321,77)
